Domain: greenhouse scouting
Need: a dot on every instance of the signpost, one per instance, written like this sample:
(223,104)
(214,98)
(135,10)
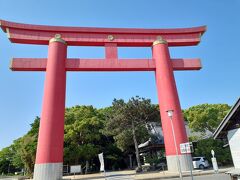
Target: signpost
(187,148)
(214,162)
(75,169)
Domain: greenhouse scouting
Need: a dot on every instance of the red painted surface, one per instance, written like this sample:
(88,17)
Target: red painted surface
(39,64)
(77,36)
(51,132)
(111,51)
(50,142)
(168,99)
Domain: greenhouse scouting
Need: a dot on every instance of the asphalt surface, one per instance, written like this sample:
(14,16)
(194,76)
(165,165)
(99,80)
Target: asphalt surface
(131,175)
(115,176)
(221,176)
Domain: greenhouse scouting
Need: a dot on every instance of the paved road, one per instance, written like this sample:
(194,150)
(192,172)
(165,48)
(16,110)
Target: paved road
(114,176)
(131,175)
(117,176)
(121,176)
(207,177)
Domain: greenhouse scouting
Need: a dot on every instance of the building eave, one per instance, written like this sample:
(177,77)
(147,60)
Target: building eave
(226,119)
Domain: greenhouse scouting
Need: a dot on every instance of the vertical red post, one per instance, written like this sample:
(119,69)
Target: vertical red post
(111,52)
(49,158)
(168,100)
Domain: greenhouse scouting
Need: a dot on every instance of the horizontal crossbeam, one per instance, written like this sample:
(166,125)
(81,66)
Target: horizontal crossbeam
(86,36)
(39,64)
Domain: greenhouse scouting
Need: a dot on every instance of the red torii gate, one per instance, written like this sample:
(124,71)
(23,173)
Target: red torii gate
(49,156)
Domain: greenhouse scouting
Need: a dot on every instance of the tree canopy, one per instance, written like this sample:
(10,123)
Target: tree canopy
(205,117)
(21,154)
(127,122)
(116,131)
(83,126)
(205,146)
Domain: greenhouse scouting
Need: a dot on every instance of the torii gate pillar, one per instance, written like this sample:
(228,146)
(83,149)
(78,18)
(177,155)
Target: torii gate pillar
(168,100)
(49,157)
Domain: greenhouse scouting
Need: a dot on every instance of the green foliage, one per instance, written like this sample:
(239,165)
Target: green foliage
(6,155)
(205,117)
(113,156)
(127,122)
(25,149)
(153,159)
(124,139)
(21,154)
(34,127)
(83,126)
(84,137)
(114,130)
(26,152)
(122,116)
(205,146)
(17,158)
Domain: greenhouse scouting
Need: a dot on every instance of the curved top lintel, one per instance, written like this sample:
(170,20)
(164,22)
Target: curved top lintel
(4,24)
(91,36)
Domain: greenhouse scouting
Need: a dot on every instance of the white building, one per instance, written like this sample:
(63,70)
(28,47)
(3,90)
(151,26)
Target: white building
(229,131)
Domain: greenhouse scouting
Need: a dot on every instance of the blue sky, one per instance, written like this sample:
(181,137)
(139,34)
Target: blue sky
(218,82)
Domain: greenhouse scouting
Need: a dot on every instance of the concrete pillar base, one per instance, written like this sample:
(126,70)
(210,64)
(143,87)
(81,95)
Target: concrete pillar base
(48,171)
(185,162)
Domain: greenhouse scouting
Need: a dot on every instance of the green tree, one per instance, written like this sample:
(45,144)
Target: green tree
(205,117)
(83,126)
(6,155)
(26,152)
(21,154)
(127,122)
(205,146)
(25,148)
